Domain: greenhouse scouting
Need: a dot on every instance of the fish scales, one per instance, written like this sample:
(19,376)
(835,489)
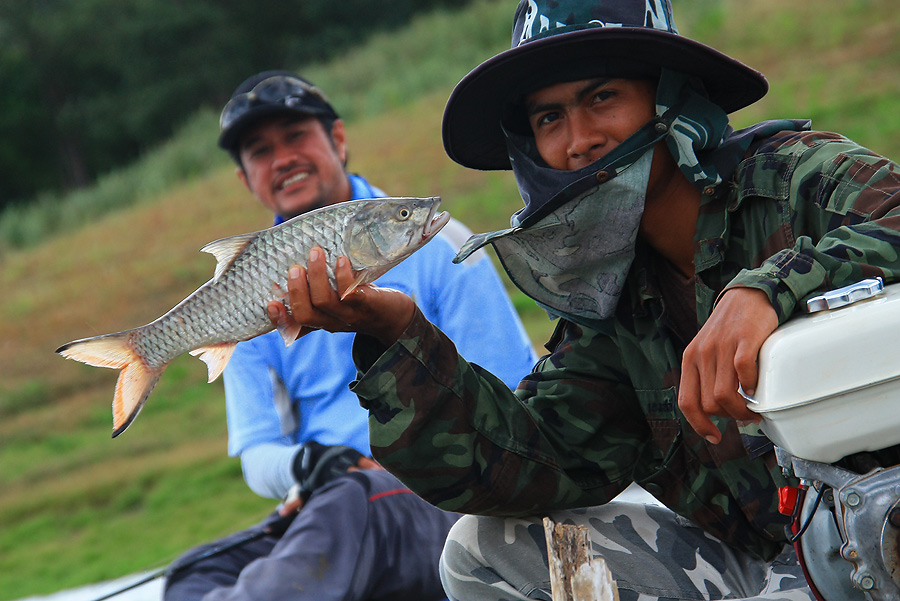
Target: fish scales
(234,306)
(252,271)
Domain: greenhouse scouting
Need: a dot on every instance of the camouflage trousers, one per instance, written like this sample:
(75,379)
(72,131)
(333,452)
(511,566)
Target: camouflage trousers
(653,554)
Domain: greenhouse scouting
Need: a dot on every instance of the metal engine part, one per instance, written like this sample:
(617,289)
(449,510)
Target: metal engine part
(859,529)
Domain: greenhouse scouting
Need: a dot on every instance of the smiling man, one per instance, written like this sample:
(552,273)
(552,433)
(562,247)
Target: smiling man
(669,246)
(360,534)
(295,164)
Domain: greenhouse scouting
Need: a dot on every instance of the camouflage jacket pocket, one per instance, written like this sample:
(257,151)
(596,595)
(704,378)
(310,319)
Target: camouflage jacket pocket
(660,408)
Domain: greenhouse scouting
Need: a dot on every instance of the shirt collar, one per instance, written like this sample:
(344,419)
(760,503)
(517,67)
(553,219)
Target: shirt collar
(361,189)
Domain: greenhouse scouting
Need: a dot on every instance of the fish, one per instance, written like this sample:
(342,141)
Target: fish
(251,271)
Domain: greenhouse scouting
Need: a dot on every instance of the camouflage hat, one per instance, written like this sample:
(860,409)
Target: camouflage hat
(565,40)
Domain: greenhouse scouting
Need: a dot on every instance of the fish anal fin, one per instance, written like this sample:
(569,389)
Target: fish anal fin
(216,357)
(227,250)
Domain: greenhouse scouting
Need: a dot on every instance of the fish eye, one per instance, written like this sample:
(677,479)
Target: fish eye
(404,214)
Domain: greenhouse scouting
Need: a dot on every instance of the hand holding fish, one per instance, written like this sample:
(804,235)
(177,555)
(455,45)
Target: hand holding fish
(315,304)
(371,235)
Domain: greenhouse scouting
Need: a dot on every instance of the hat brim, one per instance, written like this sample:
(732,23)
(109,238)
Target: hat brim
(471,127)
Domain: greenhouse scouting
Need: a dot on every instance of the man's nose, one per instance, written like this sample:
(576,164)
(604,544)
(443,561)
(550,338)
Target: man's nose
(587,143)
(283,156)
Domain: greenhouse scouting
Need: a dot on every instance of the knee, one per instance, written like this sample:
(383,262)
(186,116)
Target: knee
(460,555)
(494,558)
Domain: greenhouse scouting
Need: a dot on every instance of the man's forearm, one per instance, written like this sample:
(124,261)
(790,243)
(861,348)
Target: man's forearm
(267,469)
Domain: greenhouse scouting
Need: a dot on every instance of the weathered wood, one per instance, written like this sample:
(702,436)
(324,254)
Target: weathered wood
(574,574)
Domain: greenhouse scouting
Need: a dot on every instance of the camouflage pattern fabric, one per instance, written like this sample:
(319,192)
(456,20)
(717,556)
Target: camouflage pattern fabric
(804,212)
(574,261)
(652,553)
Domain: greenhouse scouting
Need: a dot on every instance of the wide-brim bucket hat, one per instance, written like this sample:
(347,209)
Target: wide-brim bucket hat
(562,38)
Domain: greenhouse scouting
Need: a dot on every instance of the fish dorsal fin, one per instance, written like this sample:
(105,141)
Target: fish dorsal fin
(226,250)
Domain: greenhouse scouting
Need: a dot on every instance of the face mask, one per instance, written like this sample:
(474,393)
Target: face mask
(573,260)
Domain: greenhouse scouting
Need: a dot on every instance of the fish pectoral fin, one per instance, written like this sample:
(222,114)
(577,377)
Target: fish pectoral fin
(216,357)
(360,279)
(227,250)
(289,333)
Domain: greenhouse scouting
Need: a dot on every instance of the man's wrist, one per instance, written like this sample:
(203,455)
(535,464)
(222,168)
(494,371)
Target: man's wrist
(316,465)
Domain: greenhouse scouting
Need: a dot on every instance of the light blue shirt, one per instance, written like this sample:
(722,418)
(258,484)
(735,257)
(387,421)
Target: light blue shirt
(279,397)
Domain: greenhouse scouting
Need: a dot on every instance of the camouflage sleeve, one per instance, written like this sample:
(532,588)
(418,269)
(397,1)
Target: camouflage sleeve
(841,205)
(462,440)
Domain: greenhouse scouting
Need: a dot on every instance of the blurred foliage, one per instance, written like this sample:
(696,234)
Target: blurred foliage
(87,86)
(385,73)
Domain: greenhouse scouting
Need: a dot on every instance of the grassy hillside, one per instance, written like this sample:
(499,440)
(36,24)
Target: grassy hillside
(76,506)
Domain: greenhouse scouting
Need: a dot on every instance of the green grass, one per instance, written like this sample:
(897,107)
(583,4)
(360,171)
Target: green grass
(76,506)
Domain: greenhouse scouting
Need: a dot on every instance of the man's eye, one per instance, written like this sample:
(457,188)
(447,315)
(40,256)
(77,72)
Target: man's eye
(547,118)
(603,95)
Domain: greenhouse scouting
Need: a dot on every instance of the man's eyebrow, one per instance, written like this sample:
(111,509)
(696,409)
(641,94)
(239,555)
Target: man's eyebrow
(592,86)
(589,87)
(286,121)
(249,141)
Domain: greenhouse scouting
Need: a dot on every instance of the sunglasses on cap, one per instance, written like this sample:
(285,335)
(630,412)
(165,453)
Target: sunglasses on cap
(279,89)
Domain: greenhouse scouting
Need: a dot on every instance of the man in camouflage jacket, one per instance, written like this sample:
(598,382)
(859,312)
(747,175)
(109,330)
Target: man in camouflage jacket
(734,230)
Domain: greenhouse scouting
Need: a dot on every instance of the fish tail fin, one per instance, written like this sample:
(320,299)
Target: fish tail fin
(135,382)
(132,389)
(216,357)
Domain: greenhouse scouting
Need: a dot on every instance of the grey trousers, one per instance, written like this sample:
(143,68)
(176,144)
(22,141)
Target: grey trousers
(653,554)
(362,537)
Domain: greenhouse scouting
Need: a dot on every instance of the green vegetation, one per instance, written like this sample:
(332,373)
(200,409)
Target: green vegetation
(78,110)
(77,507)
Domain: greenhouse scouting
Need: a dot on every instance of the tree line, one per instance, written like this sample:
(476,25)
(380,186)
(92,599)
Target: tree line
(87,85)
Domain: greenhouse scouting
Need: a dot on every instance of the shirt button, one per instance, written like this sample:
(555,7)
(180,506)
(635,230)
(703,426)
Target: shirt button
(709,190)
(602,177)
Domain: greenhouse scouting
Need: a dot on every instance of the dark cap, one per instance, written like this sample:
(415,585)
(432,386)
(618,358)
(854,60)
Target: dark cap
(579,39)
(268,93)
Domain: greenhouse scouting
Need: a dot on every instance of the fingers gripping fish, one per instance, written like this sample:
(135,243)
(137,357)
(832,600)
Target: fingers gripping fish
(374,235)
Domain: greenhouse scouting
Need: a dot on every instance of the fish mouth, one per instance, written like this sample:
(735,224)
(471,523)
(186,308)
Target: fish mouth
(435,223)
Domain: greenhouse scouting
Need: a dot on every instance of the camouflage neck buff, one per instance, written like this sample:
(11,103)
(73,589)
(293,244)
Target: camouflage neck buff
(571,247)
(703,144)
(573,260)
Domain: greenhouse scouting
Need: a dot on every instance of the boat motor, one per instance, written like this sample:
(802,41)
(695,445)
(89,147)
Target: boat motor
(829,398)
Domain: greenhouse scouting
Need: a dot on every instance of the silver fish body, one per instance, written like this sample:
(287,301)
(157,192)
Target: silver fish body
(252,269)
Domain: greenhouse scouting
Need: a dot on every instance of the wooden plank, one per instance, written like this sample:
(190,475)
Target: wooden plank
(574,574)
